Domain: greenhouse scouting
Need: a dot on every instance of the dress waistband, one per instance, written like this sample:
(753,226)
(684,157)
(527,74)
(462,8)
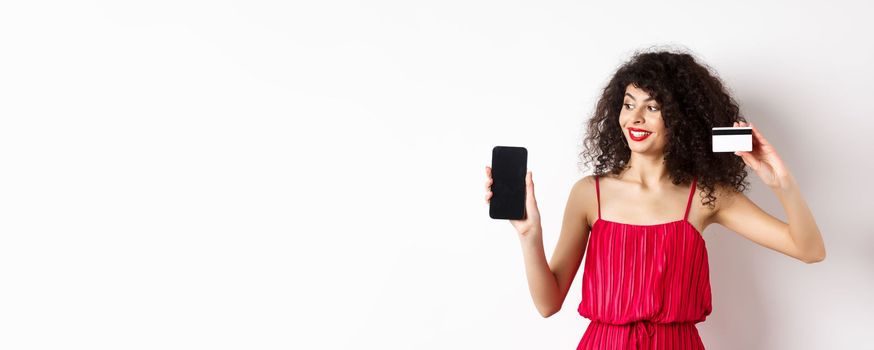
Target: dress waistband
(641,331)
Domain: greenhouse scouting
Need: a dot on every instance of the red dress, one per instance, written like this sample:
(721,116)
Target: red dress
(644,286)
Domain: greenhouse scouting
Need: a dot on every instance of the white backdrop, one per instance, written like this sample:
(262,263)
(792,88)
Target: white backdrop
(309,175)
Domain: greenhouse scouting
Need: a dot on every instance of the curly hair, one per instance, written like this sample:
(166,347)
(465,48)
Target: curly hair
(692,100)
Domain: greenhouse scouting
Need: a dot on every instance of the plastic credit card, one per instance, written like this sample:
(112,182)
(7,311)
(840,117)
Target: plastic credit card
(733,139)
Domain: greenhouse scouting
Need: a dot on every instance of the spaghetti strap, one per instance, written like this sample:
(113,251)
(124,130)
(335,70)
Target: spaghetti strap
(598,196)
(691,194)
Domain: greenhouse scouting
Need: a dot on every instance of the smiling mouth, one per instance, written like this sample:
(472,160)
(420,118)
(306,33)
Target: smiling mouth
(638,135)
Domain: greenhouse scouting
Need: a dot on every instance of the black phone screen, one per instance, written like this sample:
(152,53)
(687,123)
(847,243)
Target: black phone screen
(509,167)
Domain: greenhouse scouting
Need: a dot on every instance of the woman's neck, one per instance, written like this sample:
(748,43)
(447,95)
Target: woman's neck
(647,170)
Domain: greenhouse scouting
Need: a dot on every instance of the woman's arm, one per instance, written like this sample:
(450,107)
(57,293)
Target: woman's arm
(800,238)
(549,283)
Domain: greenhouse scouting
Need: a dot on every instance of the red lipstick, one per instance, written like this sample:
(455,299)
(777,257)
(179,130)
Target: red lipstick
(641,134)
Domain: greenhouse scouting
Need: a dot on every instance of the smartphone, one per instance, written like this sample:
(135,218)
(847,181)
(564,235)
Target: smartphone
(509,167)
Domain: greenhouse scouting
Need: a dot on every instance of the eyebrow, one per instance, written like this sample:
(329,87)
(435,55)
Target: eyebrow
(632,97)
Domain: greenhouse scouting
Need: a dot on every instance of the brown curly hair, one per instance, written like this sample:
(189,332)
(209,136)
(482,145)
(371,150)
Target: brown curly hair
(692,99)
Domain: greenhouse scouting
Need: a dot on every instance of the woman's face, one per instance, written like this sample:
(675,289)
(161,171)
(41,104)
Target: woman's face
(642,123)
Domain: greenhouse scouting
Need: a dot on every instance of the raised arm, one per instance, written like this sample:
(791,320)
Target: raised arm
(548,283)
(800,237)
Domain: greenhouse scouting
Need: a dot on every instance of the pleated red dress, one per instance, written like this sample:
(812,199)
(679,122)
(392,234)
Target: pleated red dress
(645,286)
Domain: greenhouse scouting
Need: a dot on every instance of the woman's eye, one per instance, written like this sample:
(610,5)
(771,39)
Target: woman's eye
(653,108)
(626,105)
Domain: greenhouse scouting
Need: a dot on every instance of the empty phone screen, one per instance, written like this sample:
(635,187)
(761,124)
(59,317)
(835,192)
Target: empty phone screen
(509,167)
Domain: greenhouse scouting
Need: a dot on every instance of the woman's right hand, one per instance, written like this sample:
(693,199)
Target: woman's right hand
(530,224)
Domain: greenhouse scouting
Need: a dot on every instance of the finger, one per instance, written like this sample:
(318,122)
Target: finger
(758,135)
(529,184)
(488,171)
(488,197)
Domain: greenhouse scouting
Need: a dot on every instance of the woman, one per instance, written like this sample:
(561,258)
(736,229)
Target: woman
(646,278)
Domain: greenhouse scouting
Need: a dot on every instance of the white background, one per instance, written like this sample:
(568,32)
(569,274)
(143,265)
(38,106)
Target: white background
(309,175)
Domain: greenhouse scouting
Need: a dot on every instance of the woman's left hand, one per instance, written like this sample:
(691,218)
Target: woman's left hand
(765,161)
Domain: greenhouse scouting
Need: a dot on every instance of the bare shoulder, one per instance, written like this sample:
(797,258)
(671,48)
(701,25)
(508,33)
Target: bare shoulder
(586,181)
(584,186)
(725,195)
(584,198)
